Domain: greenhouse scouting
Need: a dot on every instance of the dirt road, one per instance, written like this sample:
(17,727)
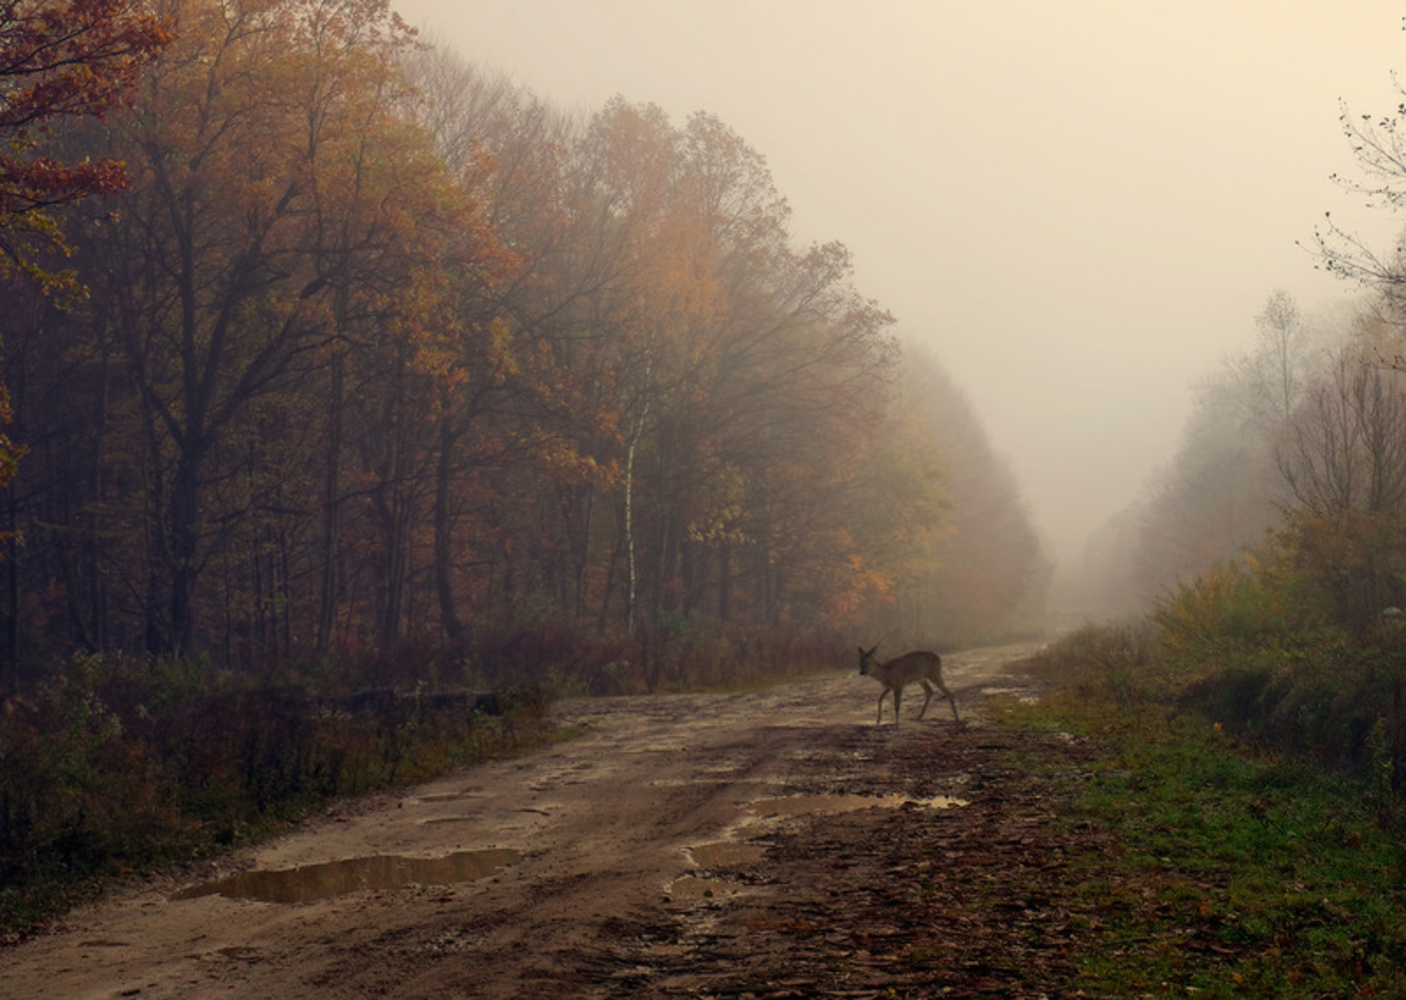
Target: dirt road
(657,855)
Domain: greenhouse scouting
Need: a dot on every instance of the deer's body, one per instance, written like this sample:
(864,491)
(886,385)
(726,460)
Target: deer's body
(921,666)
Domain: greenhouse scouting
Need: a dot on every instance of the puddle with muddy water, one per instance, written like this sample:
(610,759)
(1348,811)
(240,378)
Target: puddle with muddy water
(699,887)
(338,878)
(445,796)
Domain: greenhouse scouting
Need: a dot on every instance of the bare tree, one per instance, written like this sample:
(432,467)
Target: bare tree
(1275,371)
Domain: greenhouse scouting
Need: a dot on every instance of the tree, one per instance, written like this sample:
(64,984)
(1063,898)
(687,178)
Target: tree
(1215,499)
(966,562)
(1273,374)
(1223,490)
(1344,459)
(61,59)
(516,407)
(281,209)
(315,401)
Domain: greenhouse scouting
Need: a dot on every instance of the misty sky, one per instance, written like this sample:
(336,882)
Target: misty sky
(1080,206)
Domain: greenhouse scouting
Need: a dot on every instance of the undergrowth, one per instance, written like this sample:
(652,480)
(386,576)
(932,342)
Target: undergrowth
(1239,868)
(115,764)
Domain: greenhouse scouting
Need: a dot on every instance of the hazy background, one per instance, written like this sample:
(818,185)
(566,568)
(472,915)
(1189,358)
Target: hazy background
(1080,206)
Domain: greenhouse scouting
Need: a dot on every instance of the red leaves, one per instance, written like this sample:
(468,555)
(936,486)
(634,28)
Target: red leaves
(61,59)
(43,182)
(71,58)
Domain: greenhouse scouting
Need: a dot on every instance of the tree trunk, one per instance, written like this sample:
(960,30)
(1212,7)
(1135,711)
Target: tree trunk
(631,567)
(724,582)
(443,548)
(185,542)
(331,509)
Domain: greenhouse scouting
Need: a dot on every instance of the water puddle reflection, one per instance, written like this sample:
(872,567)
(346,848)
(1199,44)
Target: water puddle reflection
(445,796)
(697,887)
(338,878)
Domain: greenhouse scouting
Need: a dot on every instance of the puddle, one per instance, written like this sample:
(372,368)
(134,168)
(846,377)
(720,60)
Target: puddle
(445,797)
(697,887)
(726,852)
(338,878)
(797,805)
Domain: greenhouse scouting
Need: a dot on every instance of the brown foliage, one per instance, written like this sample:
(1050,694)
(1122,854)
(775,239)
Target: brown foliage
(61,59)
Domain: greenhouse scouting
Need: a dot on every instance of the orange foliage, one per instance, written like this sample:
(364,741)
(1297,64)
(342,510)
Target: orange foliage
(58,59)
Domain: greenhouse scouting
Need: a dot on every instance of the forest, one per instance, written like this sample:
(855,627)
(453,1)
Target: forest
(357,402)
(375,350)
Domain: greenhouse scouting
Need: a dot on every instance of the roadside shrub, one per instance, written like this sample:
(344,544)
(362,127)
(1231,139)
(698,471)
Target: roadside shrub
(119,763)
(1229,611)
(1320,701)
(683,655)
(702,656)
(1319,697)
(562,661)
(1261,653)
(1111,661)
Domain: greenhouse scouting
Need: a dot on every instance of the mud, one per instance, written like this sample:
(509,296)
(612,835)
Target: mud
(674,849)
(339,878)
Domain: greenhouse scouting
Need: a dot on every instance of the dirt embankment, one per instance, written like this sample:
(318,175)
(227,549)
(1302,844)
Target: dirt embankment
(772,844)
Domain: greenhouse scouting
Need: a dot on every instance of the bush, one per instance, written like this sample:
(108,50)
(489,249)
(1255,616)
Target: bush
(121,763)
(1319,701)
(1312,692)
(1115,661)
(1230,611)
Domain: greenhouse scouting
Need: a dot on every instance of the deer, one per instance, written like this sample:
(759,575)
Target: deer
(921,666)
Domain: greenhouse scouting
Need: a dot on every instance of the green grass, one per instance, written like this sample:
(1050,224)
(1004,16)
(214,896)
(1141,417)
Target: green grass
(1231,873)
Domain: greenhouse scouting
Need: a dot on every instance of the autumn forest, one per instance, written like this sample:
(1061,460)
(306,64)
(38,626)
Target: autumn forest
(369,349)
(357,402)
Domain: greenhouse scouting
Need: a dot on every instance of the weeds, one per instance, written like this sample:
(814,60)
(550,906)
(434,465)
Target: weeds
(120,763)
(1238,869)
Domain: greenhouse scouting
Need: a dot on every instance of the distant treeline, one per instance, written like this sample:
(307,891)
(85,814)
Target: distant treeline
(379,348)
(1292,469)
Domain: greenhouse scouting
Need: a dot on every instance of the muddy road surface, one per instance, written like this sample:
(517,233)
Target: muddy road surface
(675,849)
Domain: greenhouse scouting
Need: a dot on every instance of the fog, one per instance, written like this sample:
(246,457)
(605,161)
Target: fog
(1078,207)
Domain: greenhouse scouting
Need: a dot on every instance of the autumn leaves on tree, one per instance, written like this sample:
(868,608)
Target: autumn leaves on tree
(61,60)
(375,346)
(57,61)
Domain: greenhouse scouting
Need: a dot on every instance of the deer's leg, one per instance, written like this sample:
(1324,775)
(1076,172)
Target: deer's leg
(950,700)
(897,703)
(927,690)
(880,720)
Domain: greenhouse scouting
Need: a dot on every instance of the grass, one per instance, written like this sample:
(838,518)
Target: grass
(1233,872)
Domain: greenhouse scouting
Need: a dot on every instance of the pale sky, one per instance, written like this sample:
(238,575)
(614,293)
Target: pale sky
(1079,206)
